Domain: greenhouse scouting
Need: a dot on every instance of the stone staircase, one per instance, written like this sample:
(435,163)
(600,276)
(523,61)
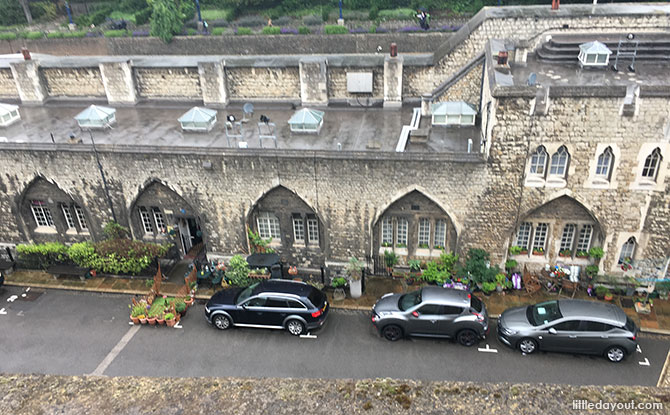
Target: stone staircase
(652,47)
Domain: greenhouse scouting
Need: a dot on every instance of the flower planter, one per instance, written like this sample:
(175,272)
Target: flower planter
(160,321)
(538,253)
(143,320)
(356,288)
(135,320)
(152,321)
(189,302)
(171,322)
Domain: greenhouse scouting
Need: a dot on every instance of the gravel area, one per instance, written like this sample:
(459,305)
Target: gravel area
(43,394)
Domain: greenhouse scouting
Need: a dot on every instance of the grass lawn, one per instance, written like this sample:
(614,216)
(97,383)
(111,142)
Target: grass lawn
(397,14)
(215,14)
(118,15)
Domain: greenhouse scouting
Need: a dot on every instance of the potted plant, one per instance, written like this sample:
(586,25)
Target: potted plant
(390,260)
(409,279)
(160,319)
(189,300)
(582,254)
(142,318)
(538,251)
(423,246)
(151,318)
(591,271)
(510,265)
(596,253)
(608,296)
(338,283)
(387,244)
(601,290)
(501,282)
(414,267)
(180,307)
(515,250)
(565,253)
(355,271)
(488,287)
(136,311)
(170,320)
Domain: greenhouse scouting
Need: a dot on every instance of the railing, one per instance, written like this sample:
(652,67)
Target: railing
(407,129)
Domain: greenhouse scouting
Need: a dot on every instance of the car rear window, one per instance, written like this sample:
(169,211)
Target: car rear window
(476,303)
(317,298)
(630,325)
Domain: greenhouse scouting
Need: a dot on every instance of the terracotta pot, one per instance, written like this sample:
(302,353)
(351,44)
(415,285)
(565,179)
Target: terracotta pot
(171,322)
(135,320)
(152,321)
(143,320)
(160,321)
(189,302)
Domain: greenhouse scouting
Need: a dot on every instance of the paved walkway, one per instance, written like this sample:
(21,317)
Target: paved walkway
(656,322)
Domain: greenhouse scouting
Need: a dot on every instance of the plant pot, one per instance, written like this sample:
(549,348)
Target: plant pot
(339,294)
(143,320)
(160,321)
(499,288)
(356,288)
(189,302)
(523,252)
(608,297)
(135,320)
(538,253)
(152,321)
(171,322)
(410,281)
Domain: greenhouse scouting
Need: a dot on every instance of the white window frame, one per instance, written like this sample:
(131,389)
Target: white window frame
(651,165)
(568,237)
(540,236)
(627,250)
(268,226)
(523,234)
(402,227)
(159,220)
(312,230)
(387,231)
(424,233)
(81,218)
(604,164)
(298,229)
(584,240)
(145,218)
(538,162)
(559,162)
(42,214)
(69,220)
(440,238)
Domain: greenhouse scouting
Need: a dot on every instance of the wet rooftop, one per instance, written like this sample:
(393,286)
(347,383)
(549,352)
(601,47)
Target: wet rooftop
(354,129)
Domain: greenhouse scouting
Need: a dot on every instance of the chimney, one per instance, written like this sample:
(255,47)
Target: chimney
(503,56)
(555,4)
(394,50)
(26,54)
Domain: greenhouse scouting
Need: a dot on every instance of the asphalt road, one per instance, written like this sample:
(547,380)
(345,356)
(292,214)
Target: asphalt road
(73,333)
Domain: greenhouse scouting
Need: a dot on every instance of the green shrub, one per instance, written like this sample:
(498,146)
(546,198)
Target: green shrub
(591,271)
(514,250)
(217,31)
(312,20)
(303,30)
(80,33)
(414,265)
(83,253)
(373,13)
(373,29)
(187,10)
(32,35)
(397,14)
(55,35)
(238,271)
(179,306)
(143,16)
(330,29)
(113,230)
(119,15)
(596,253)
(115,33)
(215,14)
(191,32)
(42,255)
(95,17)
(133,5)
(243,31)
(12,13)
(7,36)
(477,267)
(434,275)
(271,30)
(325,13)
(338,282)
(390,258)
(43,10)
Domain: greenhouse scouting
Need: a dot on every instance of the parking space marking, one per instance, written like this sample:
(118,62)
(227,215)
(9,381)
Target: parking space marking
(20,313)
(178,326)
(638,349)
(115,351)
(12,298)
(308,336)
(2,311)
(645,362)
(487,349)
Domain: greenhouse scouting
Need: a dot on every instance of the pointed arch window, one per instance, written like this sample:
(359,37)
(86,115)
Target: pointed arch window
(559,162)
(651,164)
(538,162)
(627,251)
(604,165)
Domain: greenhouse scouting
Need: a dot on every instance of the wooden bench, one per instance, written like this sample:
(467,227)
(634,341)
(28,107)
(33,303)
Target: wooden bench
(530,282)
(67,271)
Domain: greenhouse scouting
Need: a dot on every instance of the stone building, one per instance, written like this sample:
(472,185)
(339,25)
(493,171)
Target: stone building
(559,158)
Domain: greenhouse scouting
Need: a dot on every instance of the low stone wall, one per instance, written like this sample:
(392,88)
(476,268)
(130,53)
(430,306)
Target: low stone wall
(231,45)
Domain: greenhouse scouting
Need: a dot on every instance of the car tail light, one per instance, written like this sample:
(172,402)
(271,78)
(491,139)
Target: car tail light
(479,316)
(415,314)
(317,313)
(633,338)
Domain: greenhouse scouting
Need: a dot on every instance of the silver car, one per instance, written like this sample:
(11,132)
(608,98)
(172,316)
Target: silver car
(432,312)
(573,326)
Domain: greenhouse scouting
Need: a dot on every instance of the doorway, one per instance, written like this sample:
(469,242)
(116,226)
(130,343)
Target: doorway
(190,234)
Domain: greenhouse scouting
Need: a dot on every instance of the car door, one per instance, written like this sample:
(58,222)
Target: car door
(561,337)
(276,311)
(423,321)
(594,336)
(252,311)
(446,325)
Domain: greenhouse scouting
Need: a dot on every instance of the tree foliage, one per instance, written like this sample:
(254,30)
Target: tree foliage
(166,20)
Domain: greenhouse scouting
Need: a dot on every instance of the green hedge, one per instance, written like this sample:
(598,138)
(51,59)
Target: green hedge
(303,30)
(331,29)
(218,31)
(115,33)
(243,31)
(81,33)
(7,36)
(41,256)
(55,35)
(31,35)
(271,30)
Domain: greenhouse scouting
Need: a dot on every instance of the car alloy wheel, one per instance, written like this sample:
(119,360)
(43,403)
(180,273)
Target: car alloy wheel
(467,337)
(527,346)
(615,354)
(295,327)
(221,322)
(392,332)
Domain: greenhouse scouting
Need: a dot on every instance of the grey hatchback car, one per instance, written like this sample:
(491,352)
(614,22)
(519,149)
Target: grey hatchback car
(432,312)
(573,326)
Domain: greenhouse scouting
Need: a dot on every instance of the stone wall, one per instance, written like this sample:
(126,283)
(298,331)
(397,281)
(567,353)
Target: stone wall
(467,89)
(168,83)
(337,82)
(263,83)
(7,85)
(73,82)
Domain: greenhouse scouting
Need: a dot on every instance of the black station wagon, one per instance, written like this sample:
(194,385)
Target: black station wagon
(273,304)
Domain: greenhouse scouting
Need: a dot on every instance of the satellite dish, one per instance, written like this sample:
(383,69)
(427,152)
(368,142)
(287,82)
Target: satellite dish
(248,108)
(532,79)
(231,118)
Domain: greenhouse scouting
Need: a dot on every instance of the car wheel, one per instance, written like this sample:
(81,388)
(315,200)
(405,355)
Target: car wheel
(295,327)
(467,337)
(392,332)
(527,346)
(221,322)
(615,354)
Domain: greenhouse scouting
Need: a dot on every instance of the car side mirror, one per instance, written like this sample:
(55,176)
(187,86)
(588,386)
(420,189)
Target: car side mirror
(415,313)
(552,330)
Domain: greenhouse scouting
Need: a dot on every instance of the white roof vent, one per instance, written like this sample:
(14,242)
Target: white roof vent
(96,116)
(306,120)
(453,113)
(359,82)
(198,119)
(594,54)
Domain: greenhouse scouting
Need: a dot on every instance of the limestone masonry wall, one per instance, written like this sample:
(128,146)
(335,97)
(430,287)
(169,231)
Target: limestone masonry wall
(263,83)
(176,83)
(467,89)
(77,82)
(7,85)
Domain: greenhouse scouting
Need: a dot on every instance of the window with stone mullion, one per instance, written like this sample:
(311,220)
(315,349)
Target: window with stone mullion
(424,233)
(559,162)
(584,241)
(268,226)
(387,232)
(538,162)
(603,167)
(523,235)
(651,163)
(627,251)
(67,214)
(313,230)
(42,214)
(401,233)
(540,237)
(81,218)
(146,221)
(568,237)
(440,233)
(298,229)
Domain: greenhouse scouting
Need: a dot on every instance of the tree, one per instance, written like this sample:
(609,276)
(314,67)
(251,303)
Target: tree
(165,20)
(26,10)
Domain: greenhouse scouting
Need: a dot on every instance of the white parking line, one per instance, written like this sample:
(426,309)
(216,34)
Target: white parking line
(115,351)
(308,336)
(2,311)
(638,349)
(12,298)
(487,349)
(645,362)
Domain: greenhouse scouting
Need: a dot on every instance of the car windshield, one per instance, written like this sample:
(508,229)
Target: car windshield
(246,293)
(409,300)
(543,313)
